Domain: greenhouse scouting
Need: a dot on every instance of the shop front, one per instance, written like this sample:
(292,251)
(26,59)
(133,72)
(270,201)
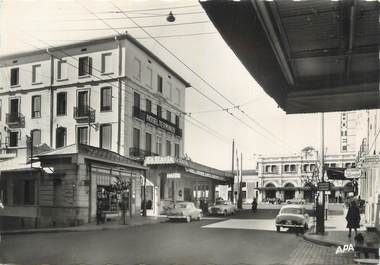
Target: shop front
(177,180)
(96,185)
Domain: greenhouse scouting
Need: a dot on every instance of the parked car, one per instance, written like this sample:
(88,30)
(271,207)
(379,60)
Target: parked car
(292,216)
(295,201)
(222,207)
(184,211)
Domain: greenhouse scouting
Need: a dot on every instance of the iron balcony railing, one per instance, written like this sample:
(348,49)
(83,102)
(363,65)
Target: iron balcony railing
(137,152)
(84,114)
(15,120)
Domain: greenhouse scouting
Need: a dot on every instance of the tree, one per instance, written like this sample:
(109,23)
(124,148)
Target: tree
(122,188)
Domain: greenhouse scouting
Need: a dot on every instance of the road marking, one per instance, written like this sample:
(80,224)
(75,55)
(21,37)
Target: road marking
(251,224)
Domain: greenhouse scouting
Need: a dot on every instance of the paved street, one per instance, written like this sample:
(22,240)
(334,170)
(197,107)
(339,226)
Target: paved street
(171,243)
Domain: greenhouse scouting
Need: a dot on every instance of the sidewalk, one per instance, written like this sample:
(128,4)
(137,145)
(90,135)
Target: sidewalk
(137,221)
(336,233)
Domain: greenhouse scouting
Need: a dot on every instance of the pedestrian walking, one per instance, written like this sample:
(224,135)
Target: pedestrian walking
(353,218)
(254,205)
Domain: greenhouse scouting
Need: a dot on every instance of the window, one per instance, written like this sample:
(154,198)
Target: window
(82,103)
(106,63)
(344,147)
(136,100)
(61,69)
(149,77)
(82,135)
(36,137)
(13,138)
(136,138)
(333,165)
(1,106)
(61,103)
(177,96)
(159,146)
(23,192)
(286,168)
(169,95)
(168,148)
(14,76)
(148,106)
(177,121)
(244,184)
(106,136)
(148,143)
(106,99)
(312,167)
(159,83)
(168,116)
(159,111)
(36,73)
(292,168)
(274,169)
(306,168)
(268,169)
(60,137)
(137,69)
(85,66)
(36,107)
(176,150)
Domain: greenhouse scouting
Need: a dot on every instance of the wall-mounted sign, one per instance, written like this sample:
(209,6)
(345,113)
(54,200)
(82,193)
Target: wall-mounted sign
(159,123)
(324,186)
(353,173)
(173,175)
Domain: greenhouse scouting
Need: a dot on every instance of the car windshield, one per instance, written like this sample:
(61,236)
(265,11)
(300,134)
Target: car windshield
(292,210)
(221,202)
(181,205)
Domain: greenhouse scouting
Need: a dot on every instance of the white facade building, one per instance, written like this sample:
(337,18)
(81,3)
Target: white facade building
(285,177)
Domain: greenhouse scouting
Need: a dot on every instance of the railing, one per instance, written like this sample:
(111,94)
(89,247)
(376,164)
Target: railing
(15,120)
(84,114)
(137,152)
(157,121)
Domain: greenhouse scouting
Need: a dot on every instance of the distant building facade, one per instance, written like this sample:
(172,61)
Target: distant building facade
(284,177)
(348,131)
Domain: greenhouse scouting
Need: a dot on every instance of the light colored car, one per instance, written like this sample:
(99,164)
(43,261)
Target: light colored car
(295,201)
(184,211)
(222,207)
(292,216)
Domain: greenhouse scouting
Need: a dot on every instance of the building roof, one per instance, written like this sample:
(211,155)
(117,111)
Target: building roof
(309,56)
(92,152)
(95,41)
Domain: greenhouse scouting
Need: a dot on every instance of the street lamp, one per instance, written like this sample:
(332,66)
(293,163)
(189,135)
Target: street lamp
(170,18)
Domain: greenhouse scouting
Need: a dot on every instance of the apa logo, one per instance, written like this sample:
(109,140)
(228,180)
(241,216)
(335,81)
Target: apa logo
(345,249)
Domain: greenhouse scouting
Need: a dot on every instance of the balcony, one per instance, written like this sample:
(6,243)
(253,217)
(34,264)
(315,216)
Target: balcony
(15,120)
(137,152)
(84,114)
(138,113)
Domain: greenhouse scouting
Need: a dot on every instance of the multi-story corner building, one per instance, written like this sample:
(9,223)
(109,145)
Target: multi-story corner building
(111,93)
(285,177)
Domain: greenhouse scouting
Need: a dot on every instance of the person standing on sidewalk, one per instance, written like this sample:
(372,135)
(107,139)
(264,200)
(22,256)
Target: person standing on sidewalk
(353,218)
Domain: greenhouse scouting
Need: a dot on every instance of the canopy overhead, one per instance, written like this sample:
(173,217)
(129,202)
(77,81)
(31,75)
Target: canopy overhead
(309,56)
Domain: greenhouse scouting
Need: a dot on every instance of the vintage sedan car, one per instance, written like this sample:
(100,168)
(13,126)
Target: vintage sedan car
(222,207)
(292,216)
(295,201)
(184,211)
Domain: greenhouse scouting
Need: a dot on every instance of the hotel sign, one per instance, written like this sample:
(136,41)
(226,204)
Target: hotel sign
(353,173)
(159,123)
(173,175)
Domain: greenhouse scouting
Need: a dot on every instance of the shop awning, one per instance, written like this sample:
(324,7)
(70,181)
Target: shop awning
(336,173)
(309,56)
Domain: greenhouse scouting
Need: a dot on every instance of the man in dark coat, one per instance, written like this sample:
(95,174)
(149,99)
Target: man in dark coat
(353,218)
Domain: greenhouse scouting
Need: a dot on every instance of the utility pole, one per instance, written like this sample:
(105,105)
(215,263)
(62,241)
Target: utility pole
(320,211)
(237,175)
(233,172)
(240,200)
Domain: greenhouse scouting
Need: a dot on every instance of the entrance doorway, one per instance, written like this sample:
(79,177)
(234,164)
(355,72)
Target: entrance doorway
(270,193)
(289,191)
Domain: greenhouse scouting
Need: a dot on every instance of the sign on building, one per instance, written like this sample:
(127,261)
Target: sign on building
(324,186)
(173,175)
(353,173)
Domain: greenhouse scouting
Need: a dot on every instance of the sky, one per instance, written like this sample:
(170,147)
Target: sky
(35,24)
